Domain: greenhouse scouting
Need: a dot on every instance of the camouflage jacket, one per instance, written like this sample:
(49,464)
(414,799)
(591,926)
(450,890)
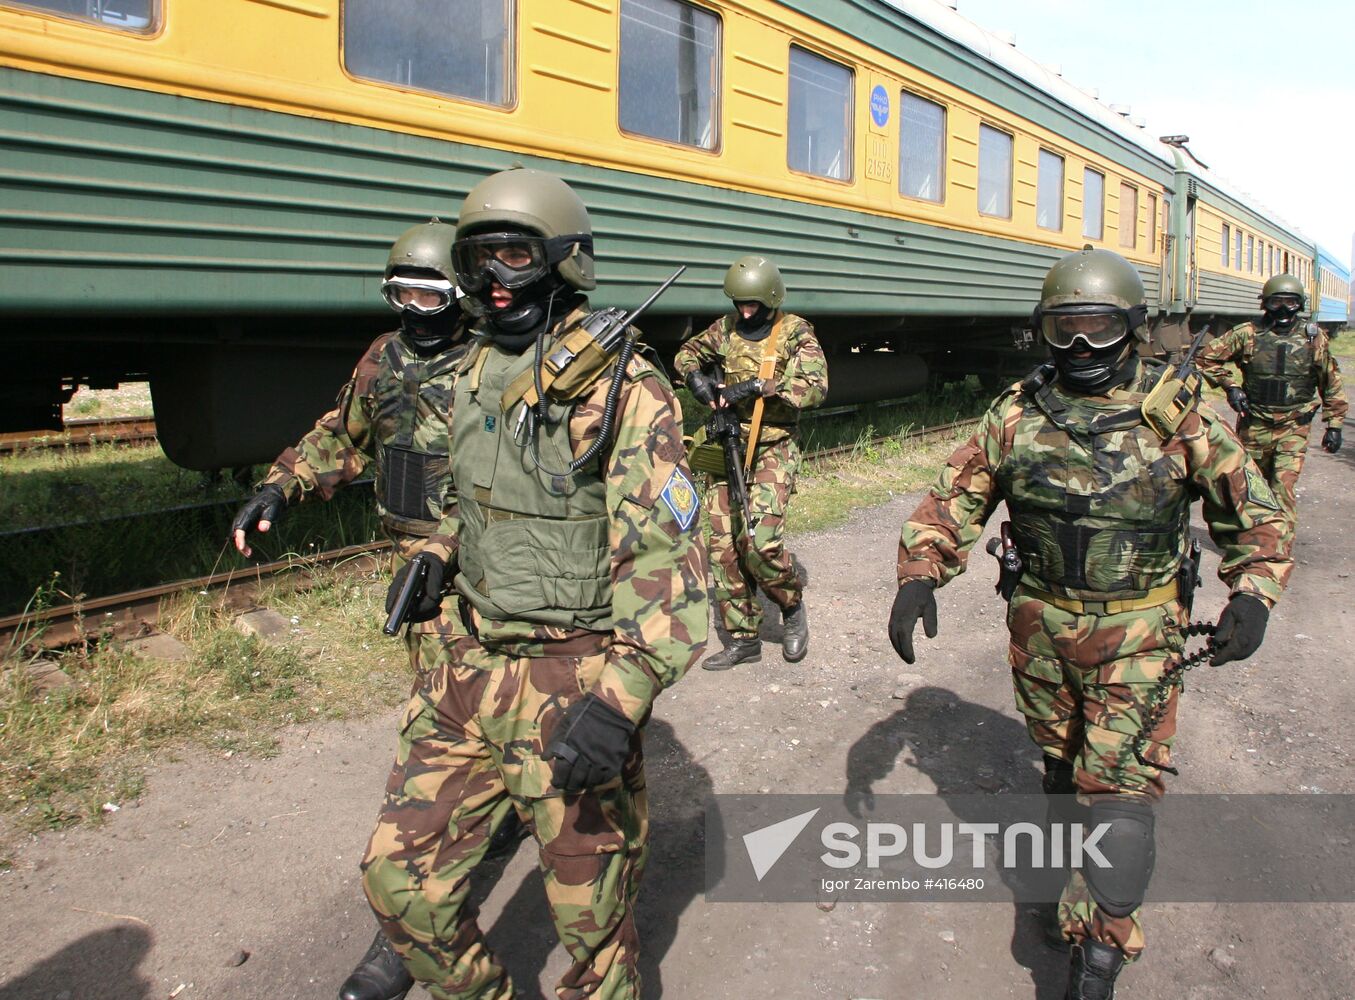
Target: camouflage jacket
(1017,444)
(657,561)
(392,413)
(800,377)
(1312,364)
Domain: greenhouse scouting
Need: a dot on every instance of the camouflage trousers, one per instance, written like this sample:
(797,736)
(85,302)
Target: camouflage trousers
(741,564)
(1084,683)
(469,751)
(427,642)
(1278,448)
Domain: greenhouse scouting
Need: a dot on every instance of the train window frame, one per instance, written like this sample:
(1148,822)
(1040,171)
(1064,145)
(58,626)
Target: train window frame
(849,132)
(153,29)
(1133,241)
(1100,234)
(1011,166)
(1251,254)
(717,84)
(1152,221)
(1041,191)
(512,63)
(1237,249)
(941,157)
(1227,239)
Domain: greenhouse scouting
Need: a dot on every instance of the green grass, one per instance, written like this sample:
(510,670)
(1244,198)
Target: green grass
(65,753)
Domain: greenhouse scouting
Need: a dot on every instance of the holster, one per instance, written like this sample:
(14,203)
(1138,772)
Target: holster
(1188,576)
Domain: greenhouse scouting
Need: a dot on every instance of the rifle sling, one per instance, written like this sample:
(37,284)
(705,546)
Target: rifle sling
(764,372)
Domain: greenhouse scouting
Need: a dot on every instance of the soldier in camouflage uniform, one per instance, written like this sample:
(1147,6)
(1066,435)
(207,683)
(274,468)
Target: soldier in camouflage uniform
(576,560)
(392,415)
(1099,505)
(771,367)
(1285,367)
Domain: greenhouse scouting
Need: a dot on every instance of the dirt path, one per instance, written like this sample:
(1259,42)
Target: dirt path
(224,856)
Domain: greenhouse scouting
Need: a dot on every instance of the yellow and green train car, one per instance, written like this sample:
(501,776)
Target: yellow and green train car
(203,192)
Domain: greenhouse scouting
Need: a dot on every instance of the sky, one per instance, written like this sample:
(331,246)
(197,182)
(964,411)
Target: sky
(1265,91)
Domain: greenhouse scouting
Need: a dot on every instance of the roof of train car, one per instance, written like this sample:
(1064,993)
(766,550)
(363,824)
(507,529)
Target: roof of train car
(1329,259)
(993,47)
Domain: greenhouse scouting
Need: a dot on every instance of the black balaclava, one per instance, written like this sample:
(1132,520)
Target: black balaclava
(1104,369)
(757,326)
(430,335)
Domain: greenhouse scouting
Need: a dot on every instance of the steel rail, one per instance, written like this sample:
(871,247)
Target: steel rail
(82,433)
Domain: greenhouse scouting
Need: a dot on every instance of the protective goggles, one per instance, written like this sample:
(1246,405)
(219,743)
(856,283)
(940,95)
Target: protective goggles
(1283,302)
(514,260)
(423,296)
(1099,328)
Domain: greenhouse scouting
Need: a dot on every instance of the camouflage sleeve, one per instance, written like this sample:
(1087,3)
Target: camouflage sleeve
(658,569)
(936,539)
(1335,406)
(698,351)
(1244,517)
(1213,360)
(804,383)
(338,448)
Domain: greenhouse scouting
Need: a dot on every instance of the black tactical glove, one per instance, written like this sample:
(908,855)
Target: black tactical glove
(265,505)
(428,600)
(916,597)
(702,387)
(589,746)
(740,391)
(1240,630)
(1331,440)
(1237,399)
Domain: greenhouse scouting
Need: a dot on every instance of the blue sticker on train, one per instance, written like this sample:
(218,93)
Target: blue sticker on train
(879,105)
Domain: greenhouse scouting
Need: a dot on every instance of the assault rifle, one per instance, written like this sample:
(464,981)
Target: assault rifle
(724,428)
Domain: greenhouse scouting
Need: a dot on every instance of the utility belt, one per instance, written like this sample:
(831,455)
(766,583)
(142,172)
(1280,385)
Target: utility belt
(1156,597)
(1301,416)
(580,644)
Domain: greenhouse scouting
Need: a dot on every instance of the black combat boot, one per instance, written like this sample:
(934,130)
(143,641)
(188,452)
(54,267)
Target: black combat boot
(742,650)
(794,633)
(379,976)
(1092,971)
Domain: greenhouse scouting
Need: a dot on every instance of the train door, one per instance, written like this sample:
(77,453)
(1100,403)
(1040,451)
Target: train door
(1168,292)
(1192,271)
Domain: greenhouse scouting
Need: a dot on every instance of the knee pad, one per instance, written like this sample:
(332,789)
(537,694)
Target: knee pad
(1129,848)
(1058,776)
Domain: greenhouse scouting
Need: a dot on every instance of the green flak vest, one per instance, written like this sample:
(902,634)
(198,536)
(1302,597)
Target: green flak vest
(534,548)
(411,397)
(1099,510)
(1282,371)
(743,358)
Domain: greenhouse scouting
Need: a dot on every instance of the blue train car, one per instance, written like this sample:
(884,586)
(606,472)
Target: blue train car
(1331,298)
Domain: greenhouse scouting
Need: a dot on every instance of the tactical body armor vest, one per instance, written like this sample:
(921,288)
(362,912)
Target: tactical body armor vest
(1099,510)
(413,474)
(1281,373)
(534,547)
(743,358)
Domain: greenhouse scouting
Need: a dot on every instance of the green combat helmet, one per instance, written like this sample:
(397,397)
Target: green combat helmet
(427,247)
(1090,280)
(540,203)
(755,279)
(1285,284)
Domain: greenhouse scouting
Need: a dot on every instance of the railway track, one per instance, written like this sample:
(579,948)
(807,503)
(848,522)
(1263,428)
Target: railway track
(83,433)
(135,612)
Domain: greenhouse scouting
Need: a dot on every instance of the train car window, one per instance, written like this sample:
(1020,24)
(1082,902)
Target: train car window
(1237,249)
(128,15)
(670,72)
(1093,204)
(459,48)
(1152,222)
(1049,191)
(1129,215)
(1227,243)
(1286,262)
(1251,256)
(922,148)
(995,172)
(819,139)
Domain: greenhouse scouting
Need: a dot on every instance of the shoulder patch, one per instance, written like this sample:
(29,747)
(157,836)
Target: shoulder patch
(1258,490)
(680,496)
